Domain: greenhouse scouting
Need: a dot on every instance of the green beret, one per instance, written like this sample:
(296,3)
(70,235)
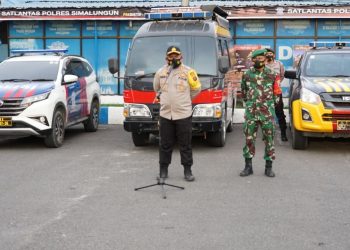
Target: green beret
(258,52)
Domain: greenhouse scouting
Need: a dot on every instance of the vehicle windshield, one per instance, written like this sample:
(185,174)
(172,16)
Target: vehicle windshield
(148,54)
(328,65)
(28,70)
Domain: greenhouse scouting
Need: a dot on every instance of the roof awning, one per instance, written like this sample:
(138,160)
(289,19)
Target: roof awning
(53,4)
(137,13)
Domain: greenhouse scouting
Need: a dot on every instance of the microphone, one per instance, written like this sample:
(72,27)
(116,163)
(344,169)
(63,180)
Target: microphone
(157,98)
(170,69)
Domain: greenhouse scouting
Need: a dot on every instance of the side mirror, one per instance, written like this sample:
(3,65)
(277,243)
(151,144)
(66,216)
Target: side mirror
(113,65)
(224,64)
(290,74)
(70,79)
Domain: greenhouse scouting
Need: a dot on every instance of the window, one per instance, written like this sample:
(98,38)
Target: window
(328,65)
(220,48)
(88,69)
(78,68)
(29,70)
(227,52)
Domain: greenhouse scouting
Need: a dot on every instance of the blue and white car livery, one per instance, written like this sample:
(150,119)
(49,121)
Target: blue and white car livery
(42,94)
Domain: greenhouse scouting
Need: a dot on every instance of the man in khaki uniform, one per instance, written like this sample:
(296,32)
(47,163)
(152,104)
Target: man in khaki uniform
(277,67)
(176,85)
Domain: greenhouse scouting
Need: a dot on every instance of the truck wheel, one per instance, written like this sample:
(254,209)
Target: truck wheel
(218,138)
(91,124)
(298,140)
(140,139)
(56,136)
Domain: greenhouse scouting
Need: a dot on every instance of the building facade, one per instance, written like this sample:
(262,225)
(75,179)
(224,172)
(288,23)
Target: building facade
(99,31)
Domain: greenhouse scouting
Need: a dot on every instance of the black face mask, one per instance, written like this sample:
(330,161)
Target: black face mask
(175,63)
(259,64)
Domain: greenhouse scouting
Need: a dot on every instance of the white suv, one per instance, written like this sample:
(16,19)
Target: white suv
(43,92)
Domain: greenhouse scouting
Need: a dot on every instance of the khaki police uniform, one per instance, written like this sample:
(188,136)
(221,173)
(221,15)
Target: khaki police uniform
(277,67)
(177,87)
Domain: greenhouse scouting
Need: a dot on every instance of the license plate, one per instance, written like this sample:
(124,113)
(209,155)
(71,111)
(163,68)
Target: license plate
(5,122)
(343,125)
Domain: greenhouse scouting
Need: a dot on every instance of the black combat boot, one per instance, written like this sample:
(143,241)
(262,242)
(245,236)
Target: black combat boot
(248,169)
(284,135)
(188,173)
(268,169)
(163,172)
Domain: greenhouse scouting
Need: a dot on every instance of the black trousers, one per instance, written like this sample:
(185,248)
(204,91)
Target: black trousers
(172,131)
(280,114)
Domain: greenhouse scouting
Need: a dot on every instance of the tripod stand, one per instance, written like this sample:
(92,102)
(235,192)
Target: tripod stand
(161,182)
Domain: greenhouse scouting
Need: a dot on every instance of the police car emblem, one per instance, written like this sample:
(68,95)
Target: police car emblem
(1,103)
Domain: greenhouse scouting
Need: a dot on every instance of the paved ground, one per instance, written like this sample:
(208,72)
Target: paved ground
(81,196)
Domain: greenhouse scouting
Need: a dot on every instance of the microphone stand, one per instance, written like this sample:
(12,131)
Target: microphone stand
(160,182)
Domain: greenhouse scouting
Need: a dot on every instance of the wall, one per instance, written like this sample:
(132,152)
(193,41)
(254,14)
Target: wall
(100,40)
(97,41)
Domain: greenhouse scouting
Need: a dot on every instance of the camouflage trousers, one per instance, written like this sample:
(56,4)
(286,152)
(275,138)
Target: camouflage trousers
(250,130)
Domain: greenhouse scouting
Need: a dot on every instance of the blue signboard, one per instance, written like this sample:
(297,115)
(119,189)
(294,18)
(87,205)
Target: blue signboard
(62,28)
(333,28)
(295,27)
(26,29)
(285,54)
(26,43)
(129,28)
(103,28)
(72,45)
(97,52)
(284,50)
(254,28)
(265,43)
(3,51)
(232,27)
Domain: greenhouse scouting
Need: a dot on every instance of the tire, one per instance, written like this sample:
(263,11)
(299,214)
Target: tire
(56,137)
(218,138)
(91,124)
(230,125)
(298,140)
(140,139)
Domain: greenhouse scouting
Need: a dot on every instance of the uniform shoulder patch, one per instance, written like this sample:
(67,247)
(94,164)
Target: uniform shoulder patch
(193,75)
(193,79)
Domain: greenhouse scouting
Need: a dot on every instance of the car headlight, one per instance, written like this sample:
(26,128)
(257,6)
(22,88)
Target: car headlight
(309,96)
(136,110)
(27,101)
(207,110)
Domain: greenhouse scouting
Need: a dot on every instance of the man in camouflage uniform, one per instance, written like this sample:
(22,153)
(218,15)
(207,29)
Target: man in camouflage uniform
(258,94)
(177,85)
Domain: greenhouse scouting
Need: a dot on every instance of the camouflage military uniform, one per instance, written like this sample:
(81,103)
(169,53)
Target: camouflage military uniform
(257,92)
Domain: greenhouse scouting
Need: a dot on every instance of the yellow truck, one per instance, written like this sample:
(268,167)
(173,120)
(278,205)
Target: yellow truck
(319,104)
